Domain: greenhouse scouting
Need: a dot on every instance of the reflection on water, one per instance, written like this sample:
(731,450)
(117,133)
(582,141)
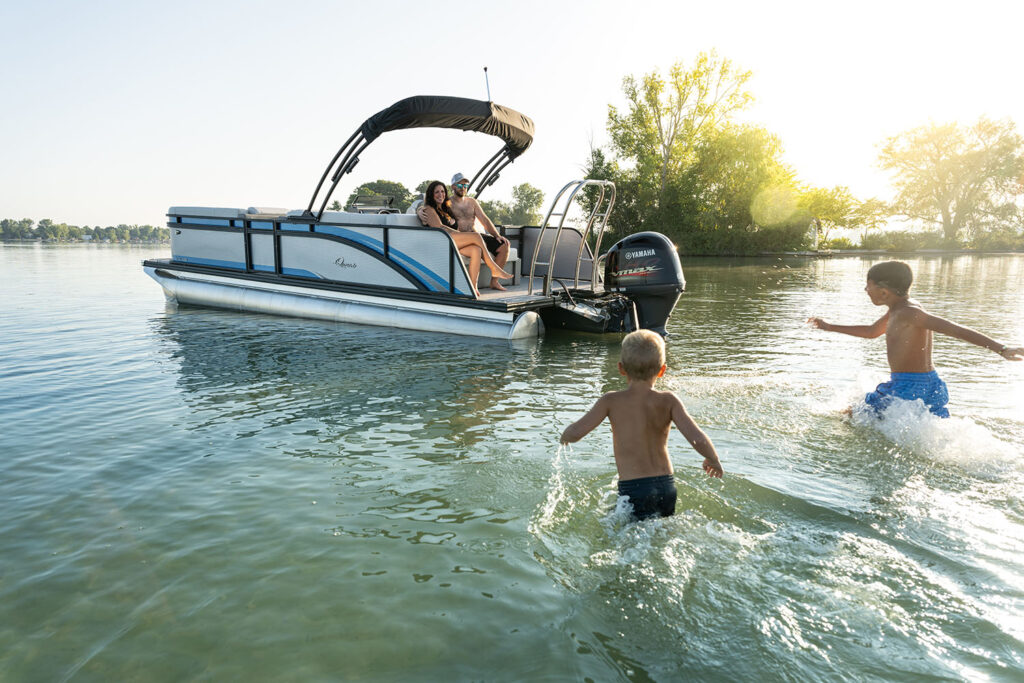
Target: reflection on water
(278,371)
(199,494)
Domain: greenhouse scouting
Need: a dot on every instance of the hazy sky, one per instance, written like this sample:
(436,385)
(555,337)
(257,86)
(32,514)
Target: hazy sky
(114,111)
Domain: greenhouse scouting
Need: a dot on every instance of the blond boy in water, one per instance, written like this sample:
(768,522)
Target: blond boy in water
(641,418)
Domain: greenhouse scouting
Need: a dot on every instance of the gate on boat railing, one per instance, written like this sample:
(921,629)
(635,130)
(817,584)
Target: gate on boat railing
(599,214)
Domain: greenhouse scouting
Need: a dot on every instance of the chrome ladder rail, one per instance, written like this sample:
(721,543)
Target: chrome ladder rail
(573,188)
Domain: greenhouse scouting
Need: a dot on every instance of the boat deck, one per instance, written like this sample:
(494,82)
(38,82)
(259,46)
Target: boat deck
(516,296)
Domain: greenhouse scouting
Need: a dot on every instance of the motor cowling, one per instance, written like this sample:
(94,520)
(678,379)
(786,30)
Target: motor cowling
(645,267)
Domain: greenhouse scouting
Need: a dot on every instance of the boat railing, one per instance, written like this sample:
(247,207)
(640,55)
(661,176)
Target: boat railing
(605,200)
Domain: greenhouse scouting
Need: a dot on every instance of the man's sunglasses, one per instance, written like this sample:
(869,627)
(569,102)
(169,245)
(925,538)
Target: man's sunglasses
(461,184)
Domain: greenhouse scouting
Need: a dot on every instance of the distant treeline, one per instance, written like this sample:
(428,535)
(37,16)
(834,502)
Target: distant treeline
(12,230)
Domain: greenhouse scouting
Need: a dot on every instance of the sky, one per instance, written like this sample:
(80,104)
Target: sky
(114,111)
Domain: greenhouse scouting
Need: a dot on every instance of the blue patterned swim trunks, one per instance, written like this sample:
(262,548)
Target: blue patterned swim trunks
(910,386)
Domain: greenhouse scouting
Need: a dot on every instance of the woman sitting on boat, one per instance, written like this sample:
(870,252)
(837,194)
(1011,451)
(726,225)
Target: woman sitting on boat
(435,212)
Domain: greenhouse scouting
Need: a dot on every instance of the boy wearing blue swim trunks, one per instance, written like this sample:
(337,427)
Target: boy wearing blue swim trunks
(908,340)
(641,418)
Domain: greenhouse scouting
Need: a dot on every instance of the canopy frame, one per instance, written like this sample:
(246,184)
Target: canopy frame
(429,111)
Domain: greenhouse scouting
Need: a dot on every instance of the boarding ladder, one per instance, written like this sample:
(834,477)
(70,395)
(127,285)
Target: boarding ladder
(599,214)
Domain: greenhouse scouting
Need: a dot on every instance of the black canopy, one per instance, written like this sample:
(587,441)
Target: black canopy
(428,111)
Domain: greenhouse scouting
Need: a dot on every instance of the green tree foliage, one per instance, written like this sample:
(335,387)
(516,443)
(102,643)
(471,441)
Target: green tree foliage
(734,196)
(498,211)
(682,167)
(48,231)
(834,208)
(965,179)
(524,209)
(527,201)
(23,229)
(389,188)
(665,119)
(737,196)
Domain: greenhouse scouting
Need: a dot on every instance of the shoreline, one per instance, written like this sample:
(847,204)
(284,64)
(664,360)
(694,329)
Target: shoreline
(81,242)
(871,252)
(824,253)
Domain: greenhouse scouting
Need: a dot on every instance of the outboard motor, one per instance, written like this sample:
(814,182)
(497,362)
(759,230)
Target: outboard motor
(645,268)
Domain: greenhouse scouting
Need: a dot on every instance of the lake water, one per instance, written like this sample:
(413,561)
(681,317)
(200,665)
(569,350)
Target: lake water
(193,494)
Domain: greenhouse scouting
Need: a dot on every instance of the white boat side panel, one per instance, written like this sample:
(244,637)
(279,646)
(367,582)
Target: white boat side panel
(403,220)
(428,253)
(422,253)
(208,247)
(322,258)
(263,253)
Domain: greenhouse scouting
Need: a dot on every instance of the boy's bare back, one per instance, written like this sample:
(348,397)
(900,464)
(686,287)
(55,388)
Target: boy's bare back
(908,343)
(641,418)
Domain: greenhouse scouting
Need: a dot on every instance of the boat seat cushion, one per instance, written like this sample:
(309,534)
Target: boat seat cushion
(210,212)
(265,211)
(511,265)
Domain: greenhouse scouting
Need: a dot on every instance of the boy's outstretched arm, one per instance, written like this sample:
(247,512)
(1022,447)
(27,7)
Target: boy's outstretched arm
(697,438)
(875,329)
(586,424)
(951,329)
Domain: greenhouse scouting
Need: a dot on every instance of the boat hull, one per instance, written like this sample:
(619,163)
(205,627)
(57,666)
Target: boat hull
(224,291)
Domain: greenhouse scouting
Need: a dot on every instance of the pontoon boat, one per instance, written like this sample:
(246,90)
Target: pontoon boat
(380,267)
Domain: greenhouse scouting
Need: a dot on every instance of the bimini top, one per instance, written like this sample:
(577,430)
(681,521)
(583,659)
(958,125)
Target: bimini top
(427,111)
(431,111)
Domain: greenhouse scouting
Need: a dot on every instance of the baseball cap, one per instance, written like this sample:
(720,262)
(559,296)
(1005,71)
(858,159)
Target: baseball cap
(457,177)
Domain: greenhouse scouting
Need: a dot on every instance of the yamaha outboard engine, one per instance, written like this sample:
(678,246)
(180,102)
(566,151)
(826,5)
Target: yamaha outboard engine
(645,268)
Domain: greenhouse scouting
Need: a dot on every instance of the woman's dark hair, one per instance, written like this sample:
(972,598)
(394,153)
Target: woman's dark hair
(444,210)
(894,275)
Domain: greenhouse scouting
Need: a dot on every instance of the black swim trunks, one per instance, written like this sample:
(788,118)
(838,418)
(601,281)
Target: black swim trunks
(492,243)
(651,496)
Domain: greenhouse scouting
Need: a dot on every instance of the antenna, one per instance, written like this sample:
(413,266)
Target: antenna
(488,82)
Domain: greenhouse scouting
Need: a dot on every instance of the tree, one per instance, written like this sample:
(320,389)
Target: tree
(526,205)
(664,120)
(737,196)
(498,211)
(964,179)
(11,229)
(524,209)
(838,208)
(397,191)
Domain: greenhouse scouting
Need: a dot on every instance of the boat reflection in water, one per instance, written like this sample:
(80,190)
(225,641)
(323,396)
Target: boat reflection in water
(335,379)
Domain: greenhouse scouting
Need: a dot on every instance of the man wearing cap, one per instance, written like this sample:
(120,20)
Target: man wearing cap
(467,212)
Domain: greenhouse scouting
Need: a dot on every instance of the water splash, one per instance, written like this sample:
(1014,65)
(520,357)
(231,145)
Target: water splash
(955,440)
(557,506)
